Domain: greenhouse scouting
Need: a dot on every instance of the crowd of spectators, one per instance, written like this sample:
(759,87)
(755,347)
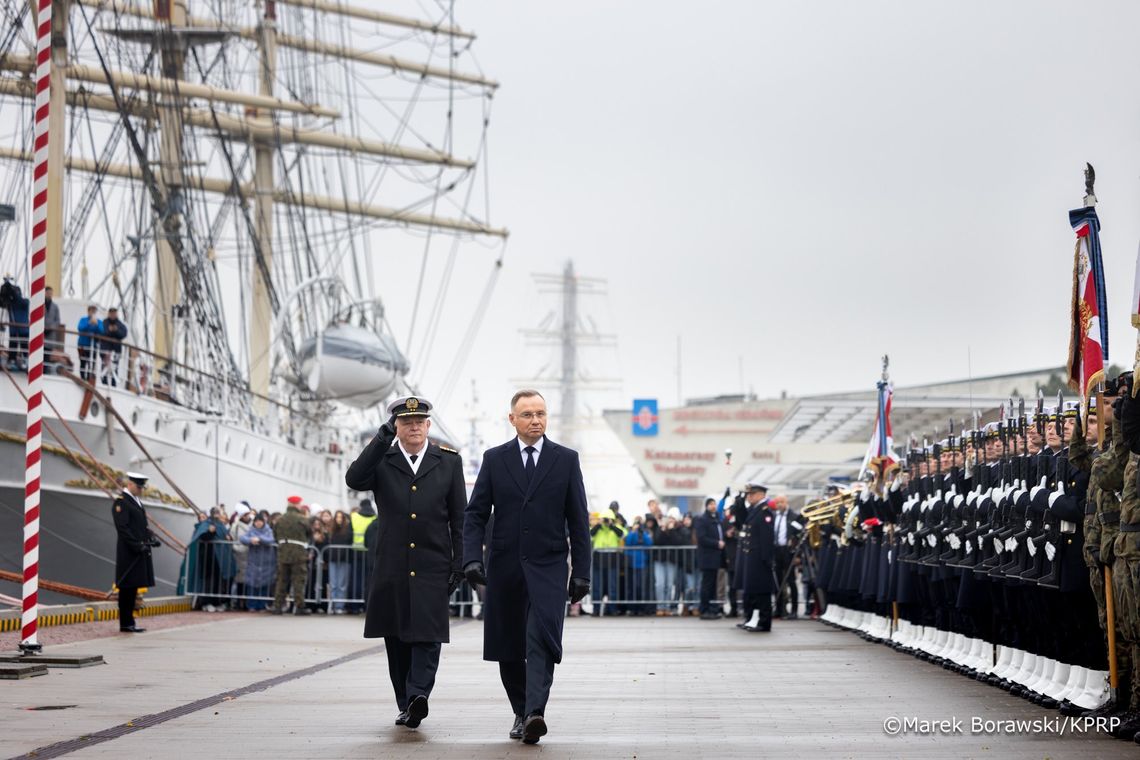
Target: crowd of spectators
(231,560)
(644,565)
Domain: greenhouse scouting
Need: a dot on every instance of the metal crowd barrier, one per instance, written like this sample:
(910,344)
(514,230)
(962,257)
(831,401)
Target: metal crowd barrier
(630,580)
(647,580)
(228,573)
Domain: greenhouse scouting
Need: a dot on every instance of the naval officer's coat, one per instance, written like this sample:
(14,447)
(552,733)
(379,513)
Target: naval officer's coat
(133,565)
(419,538)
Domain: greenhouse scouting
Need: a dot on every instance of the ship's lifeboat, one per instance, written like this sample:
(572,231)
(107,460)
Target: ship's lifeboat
(354,366)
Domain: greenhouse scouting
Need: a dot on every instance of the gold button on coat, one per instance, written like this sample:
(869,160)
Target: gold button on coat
(413,488)
(413,546)
(413,515)
(413,573)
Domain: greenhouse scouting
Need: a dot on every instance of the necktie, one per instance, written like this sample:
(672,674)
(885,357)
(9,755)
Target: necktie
(529,466)
(414,457)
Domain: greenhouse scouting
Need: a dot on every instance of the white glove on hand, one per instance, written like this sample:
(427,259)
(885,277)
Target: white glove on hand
(1032,547)
(1011,543)
(1050,551)
(999,547)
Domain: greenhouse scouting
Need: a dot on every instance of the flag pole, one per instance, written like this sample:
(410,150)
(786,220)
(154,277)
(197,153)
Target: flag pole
(29,617)
(1109,602)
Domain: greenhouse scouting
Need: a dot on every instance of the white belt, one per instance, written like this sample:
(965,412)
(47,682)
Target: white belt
(295,543)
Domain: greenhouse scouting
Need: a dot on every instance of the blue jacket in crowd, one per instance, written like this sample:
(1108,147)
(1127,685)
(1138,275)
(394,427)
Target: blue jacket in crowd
(638,558)
(88,329)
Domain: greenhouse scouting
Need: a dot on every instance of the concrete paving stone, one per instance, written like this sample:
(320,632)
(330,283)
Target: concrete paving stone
(629,688)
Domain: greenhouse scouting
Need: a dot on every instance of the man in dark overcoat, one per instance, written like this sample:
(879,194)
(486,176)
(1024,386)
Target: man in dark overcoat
(534,488)
(134,568)
(710,557)
(757,556)
(420,496)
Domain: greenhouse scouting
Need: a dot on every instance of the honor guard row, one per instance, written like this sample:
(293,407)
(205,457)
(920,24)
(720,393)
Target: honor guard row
(987,552)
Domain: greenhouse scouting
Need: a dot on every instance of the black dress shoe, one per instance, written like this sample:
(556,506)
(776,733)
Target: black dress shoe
(131,629)
(417,711)
(402,718)
(276,611)
(534,729)
(517,728)
(302,611)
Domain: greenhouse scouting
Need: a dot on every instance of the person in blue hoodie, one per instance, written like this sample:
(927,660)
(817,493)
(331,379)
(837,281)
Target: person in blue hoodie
(637,574)
(90,329)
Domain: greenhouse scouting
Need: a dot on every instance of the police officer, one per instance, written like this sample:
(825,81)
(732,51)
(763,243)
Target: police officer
(133,566)
(293,534)
(420,494)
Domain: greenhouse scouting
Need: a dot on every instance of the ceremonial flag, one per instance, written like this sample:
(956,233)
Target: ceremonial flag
(880,457)
(1136,295)
(1088,338)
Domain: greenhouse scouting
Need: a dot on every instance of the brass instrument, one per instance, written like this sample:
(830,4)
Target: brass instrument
(823,512)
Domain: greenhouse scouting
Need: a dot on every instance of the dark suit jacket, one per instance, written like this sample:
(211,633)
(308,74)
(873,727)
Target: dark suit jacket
(418,540)
(526,564)
(710,555)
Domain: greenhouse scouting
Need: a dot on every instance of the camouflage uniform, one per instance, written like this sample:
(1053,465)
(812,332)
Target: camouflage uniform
(1101,531)
(1126,574)
(292,534)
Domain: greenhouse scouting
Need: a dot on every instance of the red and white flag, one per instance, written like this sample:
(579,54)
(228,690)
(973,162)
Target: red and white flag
(1088,337)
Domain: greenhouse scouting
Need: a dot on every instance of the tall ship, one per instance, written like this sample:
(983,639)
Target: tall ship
(246,183)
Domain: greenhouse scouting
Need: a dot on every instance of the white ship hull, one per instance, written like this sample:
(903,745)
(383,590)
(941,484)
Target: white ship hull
(213,461)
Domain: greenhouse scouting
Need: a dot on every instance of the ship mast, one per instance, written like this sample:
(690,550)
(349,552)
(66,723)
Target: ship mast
(167,281)
(56,116)
(261,317)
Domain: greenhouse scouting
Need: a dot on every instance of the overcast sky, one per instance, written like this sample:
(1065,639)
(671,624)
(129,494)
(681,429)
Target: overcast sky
(807,185)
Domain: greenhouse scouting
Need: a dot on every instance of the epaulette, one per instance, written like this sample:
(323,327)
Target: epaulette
(448,449)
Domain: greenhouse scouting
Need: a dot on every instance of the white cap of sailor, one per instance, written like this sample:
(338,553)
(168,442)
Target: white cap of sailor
(138,479)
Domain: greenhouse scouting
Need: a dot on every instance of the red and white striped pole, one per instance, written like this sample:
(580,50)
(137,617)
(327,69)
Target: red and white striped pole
(37,270)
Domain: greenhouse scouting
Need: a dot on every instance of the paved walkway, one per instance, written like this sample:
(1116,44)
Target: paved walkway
(260,686)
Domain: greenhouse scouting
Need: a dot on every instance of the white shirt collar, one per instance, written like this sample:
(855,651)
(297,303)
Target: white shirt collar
(419,456)
(537,447)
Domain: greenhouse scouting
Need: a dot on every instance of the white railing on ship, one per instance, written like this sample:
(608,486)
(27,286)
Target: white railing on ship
(146,373)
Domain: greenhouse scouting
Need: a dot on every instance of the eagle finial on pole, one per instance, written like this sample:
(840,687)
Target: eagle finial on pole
(1090,180)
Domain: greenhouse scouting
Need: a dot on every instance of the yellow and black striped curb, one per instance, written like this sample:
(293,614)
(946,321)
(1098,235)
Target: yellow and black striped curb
(94,612)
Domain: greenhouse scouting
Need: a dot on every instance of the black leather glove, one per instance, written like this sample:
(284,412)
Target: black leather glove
(453,582)
(579,587)
(475,573)
(153,542)
(388,429)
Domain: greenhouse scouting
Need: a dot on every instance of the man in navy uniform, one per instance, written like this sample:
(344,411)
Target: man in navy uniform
(755,522)
(420,497)
(534,487)
(134,568)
